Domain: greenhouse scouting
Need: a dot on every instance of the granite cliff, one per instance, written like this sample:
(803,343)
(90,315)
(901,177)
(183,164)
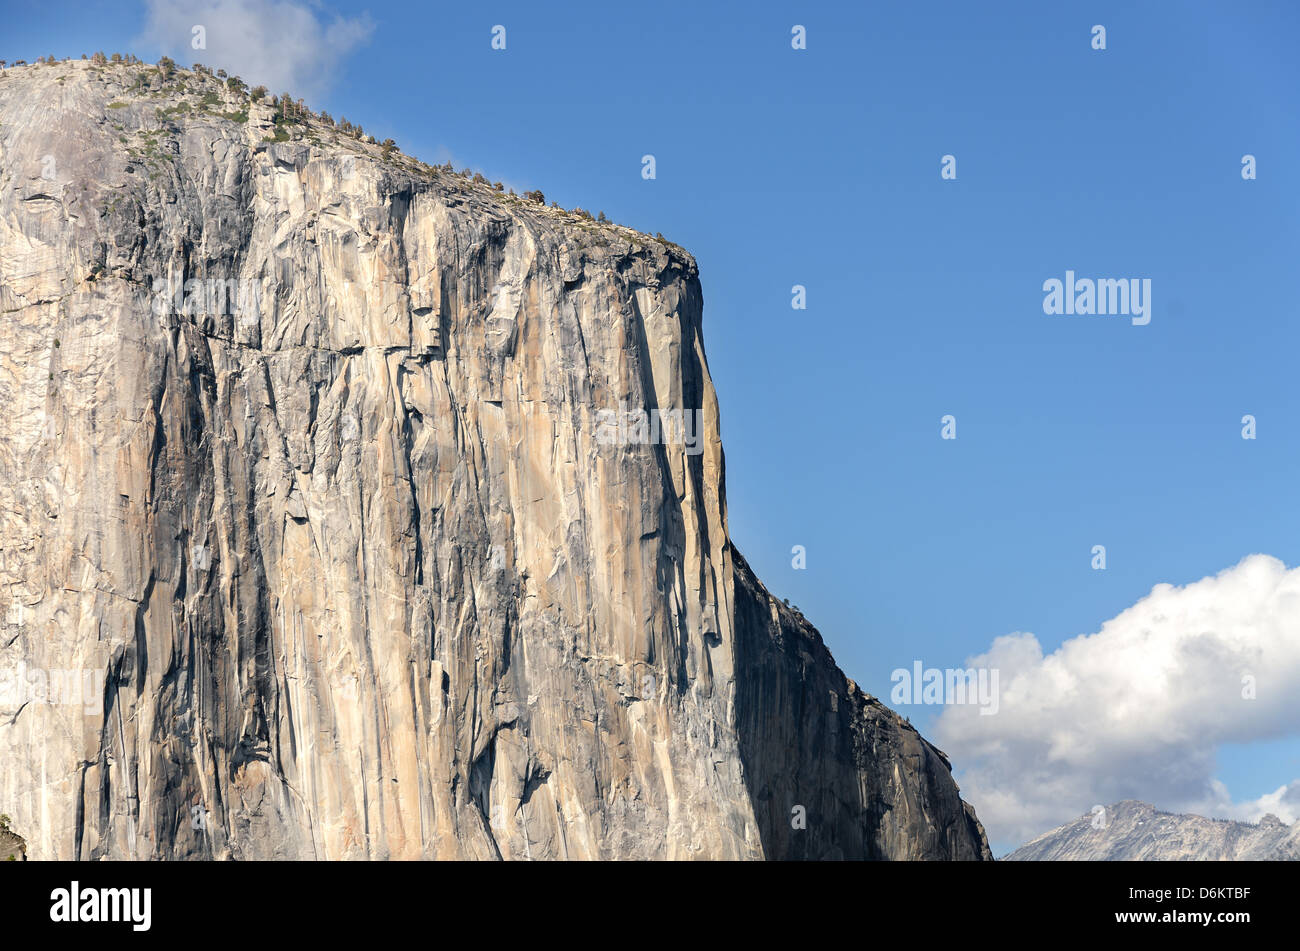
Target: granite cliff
(314,542)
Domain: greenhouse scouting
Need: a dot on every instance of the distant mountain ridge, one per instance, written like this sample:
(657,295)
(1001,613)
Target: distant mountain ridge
(1136,831)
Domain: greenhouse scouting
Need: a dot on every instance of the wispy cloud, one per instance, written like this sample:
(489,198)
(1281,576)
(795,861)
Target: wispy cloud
(1138,709)
(285,45)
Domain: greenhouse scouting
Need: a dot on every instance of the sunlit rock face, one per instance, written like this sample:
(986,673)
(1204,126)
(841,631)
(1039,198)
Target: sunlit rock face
(316,530)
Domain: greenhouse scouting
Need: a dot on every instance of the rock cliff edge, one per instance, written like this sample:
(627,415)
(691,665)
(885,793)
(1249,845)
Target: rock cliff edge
(301,456)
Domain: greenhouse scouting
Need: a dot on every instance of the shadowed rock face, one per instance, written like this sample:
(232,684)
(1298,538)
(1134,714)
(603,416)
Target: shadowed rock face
(358,570)
(1133,830)
(870,785)
(12,846)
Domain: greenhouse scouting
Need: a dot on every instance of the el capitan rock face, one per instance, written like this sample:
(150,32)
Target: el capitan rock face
(360,578)
(1134,830)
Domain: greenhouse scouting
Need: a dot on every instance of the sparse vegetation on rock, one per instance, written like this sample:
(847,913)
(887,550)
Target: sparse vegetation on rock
(192,92)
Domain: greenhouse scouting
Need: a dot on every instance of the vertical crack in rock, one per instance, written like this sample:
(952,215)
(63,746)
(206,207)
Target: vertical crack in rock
(305,455)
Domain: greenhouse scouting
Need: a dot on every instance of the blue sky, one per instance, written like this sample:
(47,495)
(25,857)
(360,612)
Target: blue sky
(821,167)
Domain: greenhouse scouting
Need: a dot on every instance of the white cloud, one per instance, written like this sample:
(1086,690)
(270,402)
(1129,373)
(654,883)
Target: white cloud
(1283,802)
(1138,709)
(281,44)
